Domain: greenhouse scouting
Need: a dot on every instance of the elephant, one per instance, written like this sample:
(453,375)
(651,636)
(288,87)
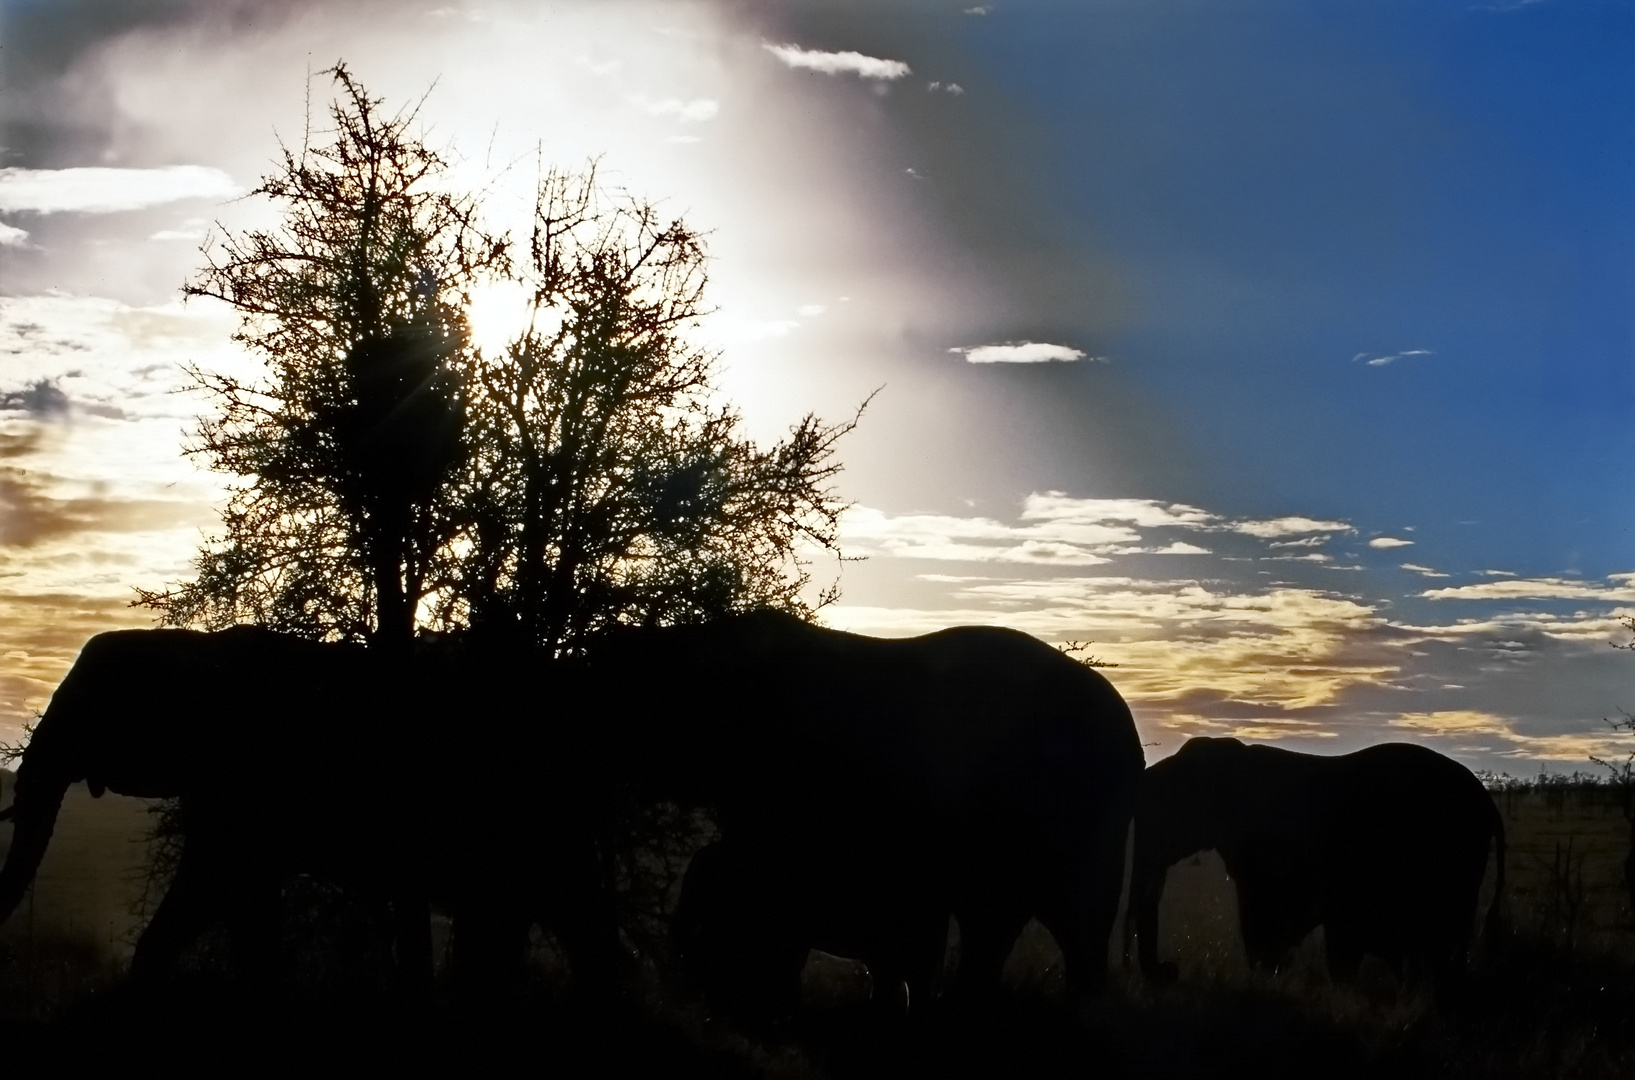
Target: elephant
(745,921)
(1385,848)
(207,718)
(975,771)
(197,717)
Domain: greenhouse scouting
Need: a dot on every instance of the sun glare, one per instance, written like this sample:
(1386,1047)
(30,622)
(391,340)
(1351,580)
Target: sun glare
(498,314)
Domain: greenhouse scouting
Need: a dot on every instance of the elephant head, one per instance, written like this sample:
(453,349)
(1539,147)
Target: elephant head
(1202,798)
(162,714)
(108,724)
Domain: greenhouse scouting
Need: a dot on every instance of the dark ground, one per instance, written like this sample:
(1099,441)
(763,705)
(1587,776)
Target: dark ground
(1554,1000)
(1530,1012)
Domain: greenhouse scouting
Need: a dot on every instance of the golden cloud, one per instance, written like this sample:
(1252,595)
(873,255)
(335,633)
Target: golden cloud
(1464,723)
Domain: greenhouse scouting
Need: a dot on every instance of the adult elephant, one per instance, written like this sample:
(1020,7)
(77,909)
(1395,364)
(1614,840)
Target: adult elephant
(290,756)
(1384,848)
(975,770)
(257,734)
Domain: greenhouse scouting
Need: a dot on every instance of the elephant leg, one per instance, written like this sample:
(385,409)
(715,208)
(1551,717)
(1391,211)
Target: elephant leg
(1081,920)
(579,909)
(985,942)
(191,902)
(924,958)
(254,922)
(1344,951)
(1263,921)
(490,939)
(902,969)
(1446,946)
(411,942)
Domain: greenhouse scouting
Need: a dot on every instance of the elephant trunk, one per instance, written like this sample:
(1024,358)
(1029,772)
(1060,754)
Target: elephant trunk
(1167,830)
(1146,889)
(34,817)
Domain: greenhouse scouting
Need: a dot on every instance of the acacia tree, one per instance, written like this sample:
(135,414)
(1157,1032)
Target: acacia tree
(605,485)
(344,449)
(391,477)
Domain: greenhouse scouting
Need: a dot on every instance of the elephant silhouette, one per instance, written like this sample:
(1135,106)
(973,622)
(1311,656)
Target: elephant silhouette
(1385,848)
(746,919)
(295,757)
(974,771)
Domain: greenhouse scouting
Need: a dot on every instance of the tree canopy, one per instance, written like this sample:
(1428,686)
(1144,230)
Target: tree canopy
(390,476)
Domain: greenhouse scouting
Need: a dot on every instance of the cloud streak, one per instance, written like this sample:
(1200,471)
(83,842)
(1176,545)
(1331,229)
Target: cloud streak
(1026,352)
(1465,725)
(1381,361)
(839,63)
(103,191)
(1289,526)
(1622,589)
(688,112)
(1060,529)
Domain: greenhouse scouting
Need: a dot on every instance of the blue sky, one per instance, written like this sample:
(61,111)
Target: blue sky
(1315,374)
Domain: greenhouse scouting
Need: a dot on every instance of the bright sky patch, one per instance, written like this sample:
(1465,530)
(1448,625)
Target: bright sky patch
(101,191)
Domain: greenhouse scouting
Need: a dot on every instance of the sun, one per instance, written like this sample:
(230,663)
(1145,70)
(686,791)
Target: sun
(498,313)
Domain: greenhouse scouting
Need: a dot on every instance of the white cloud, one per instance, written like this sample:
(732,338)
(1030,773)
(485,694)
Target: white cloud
(936,536)
(1027,352)
(1385,543)
(1539,589)
(688,112)
(809,310)
(1424,571)
(838,63)
(1289,526)
(1145,513)
(11,236)
(1052,522)
(1178,547)
(192,229)
(97,190)
(1381,361)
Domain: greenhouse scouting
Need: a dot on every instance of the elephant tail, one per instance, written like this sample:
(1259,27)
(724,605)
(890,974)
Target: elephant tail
(1495,918)
(34,816)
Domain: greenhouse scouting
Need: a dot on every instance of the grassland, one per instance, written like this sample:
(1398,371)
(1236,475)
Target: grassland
(1555,997)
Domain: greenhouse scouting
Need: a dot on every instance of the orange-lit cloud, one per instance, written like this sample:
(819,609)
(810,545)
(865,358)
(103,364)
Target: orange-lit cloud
(1503,739)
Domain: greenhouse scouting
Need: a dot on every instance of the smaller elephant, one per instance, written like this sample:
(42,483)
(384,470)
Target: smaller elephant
(1384,848)
(747,917)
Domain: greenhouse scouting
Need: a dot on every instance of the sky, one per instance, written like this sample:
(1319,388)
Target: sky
(1280,348)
